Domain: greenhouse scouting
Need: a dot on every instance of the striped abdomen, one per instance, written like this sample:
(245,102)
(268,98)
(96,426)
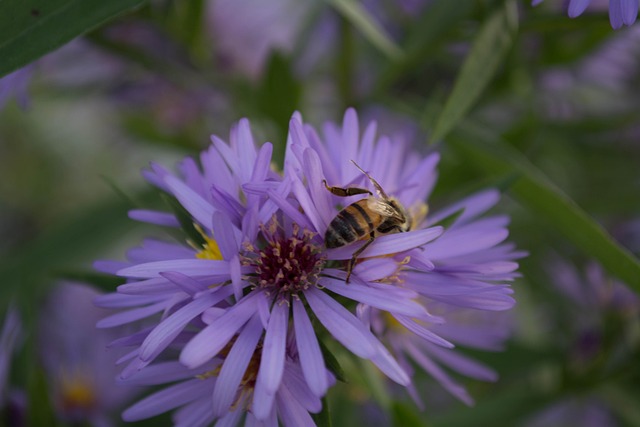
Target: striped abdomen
(352,223)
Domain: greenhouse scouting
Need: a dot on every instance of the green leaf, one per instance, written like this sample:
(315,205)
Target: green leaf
(487,53)
(323,418)
(404,415)
(332,363)
(31,28)
(279,94)
(536,192)
(186,221)
(360,18)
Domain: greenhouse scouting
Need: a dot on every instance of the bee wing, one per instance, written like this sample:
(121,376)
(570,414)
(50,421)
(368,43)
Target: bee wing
(382,208)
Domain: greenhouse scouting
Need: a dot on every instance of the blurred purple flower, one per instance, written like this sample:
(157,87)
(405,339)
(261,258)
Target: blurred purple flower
(80,368)
(15,85)
(621,12)
(9,340)
(583,411)
(465,269)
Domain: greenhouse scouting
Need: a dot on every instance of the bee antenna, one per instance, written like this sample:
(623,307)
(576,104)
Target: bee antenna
(373,181)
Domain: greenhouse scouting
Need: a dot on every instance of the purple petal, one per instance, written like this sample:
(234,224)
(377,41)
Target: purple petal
(190,267)
(167,399)
(629,11)
(196,414)
(311,359)
(389,366)
(129,316)
(224,236)
(109,267)
(289,210)
(423,332)
(183,282)
(208,342)
(235,366)
(439,374)
(292,414)
(615,13)
(160,373)
(464,365)
(154,217)
(576,7)
(199,208)
(473,206)
(375,269)
(272,362)
(342,324)
(378,298)
(163,334)
(387,244)
(455,243)
(262,404)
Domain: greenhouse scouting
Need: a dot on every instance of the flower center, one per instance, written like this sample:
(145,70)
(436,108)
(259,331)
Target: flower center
(76,393)
(287,264)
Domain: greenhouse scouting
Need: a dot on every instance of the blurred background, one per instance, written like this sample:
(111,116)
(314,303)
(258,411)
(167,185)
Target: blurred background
(542,106)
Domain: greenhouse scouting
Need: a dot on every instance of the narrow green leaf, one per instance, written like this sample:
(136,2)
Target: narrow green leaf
(323,418)
(279,94)
(487,52)
(102,281)
(31,28)
(332,363)
(367,25)
(535,191)
(185,220)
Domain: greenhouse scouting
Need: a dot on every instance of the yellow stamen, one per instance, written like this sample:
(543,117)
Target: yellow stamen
(210,249)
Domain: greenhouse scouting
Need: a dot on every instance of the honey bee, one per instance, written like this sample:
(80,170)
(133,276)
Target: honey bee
(366,218)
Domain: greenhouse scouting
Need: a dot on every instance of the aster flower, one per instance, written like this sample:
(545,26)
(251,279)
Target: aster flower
(464,273)
(79,369)
(254,251)
(621,12)
(257,270)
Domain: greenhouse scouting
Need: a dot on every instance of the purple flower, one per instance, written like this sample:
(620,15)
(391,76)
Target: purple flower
(257,259)
(9,340)
(79,367)
(621,12)
(463,272)
(15,85)
(235,306)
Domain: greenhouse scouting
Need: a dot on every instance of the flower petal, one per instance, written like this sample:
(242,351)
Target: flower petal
(381,299)
(199,208)
(235,366)
(272,361)
(209,341)
(342,324)
(189,267)
(167,399)
(311,360)
(154,217)
(163,334)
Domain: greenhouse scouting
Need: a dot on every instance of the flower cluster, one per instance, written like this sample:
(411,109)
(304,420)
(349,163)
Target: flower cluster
(237,314)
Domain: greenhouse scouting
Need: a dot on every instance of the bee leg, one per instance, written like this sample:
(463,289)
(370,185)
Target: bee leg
(345,192)
(354,257)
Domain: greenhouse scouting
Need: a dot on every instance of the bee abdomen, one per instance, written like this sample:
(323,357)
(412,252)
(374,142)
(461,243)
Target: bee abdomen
(346,227)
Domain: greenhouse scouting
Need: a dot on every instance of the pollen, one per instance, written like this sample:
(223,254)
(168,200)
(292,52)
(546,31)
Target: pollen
(286,264)
(209,249)
(77,392)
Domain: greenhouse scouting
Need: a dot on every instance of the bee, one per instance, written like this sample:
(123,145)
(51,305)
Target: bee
(365,219)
